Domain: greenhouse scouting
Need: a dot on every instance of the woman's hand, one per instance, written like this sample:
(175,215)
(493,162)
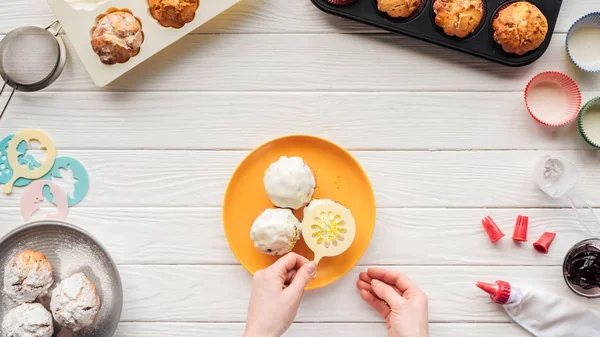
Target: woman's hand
(398,300)
(276,295)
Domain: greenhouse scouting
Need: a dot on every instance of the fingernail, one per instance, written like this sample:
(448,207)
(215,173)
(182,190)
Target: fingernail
(311,267)
(376,283)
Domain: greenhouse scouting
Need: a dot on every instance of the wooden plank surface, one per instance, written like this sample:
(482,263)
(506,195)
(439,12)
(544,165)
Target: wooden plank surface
(426,179)
(402,236)
(221,293)
(306,62)
(184,120)
(258,16)
(313,329)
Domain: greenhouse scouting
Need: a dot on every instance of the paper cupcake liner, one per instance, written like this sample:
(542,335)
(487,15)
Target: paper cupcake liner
(588,20)
(341,2)
(580,122)
(570,90)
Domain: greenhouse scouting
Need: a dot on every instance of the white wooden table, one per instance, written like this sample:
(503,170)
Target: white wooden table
(444,137)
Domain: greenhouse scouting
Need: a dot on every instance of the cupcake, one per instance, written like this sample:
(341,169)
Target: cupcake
(75,302)
(27,276)
(173,13)
(399,8)
(290,183)
(275,231)
(520,28)
(458,17)
(28,320)
(117,37)
(315,203)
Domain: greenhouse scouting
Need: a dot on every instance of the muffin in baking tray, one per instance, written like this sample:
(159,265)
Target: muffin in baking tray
(173,13)
(458,17)
(117,37)
(27,276)
(520,27)
(399,8)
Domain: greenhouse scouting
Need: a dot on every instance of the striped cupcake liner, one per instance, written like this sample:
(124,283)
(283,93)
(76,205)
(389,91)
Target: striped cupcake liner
(588,20)
(581,124)
(341,2)
(571,93)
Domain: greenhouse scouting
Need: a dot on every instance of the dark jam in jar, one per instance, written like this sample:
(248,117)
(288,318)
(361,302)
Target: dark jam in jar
(583,267)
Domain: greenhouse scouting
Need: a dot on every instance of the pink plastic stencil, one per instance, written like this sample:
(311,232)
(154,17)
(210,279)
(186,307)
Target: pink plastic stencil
(34,195)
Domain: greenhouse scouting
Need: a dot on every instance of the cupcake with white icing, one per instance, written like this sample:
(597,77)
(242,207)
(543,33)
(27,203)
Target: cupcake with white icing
(75,302)
(27,276)
(290,183)
(28,320)
(317,202)
(276,231)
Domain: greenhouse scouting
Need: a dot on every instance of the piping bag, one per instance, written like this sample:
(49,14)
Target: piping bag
(544,315)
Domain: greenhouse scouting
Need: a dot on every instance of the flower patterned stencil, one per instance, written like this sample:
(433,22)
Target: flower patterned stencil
(328,229)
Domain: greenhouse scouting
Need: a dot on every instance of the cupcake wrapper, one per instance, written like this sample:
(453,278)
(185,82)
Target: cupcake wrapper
(341,2)
(588,20)
(571,92)
(580,123)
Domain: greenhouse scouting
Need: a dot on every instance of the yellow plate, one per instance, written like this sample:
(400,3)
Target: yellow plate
(339,177)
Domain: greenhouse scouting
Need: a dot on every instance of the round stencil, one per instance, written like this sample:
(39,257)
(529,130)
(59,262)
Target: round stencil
(15,157)
(328,230)
(80,188)
(34,195)
(6,171)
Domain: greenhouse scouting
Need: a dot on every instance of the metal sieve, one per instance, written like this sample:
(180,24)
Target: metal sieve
(31,58)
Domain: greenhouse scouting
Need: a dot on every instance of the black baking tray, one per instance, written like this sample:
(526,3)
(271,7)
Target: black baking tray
(421,25)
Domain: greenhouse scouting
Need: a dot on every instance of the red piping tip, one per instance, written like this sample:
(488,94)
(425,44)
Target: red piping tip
(543,244)
(521,227)
(490,288)
(499,292)
(492,229)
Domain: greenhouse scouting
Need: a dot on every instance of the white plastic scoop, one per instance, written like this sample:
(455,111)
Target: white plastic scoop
(557,178)
(328,230)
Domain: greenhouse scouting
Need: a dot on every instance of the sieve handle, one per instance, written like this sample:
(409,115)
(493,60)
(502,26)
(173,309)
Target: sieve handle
(9,98)
(57,31)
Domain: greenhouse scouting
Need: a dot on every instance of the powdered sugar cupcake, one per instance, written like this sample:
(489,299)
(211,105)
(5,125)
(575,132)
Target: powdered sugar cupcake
(28,320)
(27,276)
(75,302)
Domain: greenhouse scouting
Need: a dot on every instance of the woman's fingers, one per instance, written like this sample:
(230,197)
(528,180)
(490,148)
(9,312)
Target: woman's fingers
(399,280)
(387,293)
(375,303)
(287,263)
(365,277)
(366,283)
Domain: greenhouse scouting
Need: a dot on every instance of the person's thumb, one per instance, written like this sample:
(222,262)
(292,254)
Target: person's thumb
(304,275)
(387,293)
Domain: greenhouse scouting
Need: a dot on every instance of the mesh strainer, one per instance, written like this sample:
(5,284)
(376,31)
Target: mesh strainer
(31,58)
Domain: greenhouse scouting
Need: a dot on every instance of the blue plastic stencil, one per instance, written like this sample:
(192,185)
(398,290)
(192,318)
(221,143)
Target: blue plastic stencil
(6,171)
(80,188)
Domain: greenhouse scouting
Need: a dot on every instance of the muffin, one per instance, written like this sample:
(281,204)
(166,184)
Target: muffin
(520,28)
(28,320)
(276,231)
(27,276)
(315,203)
(399,8)
(75,302)
(290,183)
(117,37)
(173,13)
(458,17)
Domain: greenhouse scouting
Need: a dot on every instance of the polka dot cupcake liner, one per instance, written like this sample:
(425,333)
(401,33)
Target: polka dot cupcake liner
(583,42)
(588,122)
(553,98)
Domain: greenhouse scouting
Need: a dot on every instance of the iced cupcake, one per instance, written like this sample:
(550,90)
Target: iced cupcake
(317,202)
(117,37)
(520,28)
(290,183)
(275,231)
